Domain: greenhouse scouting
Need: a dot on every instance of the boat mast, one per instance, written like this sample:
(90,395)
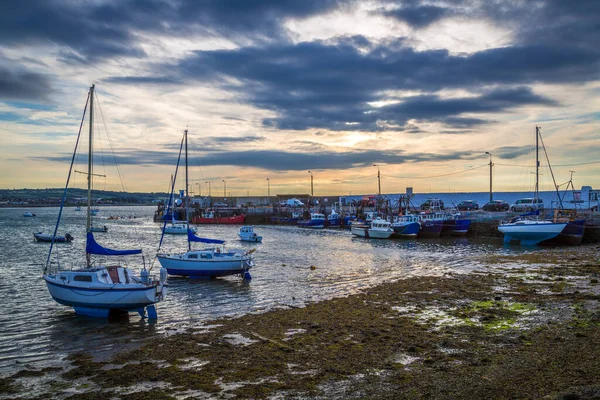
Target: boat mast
(537,164)
(186,199)
(89,177)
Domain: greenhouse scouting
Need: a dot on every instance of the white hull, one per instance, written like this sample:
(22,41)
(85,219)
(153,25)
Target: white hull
(97,298)
(372,233)
(207,264)
(531,232)
(178,229)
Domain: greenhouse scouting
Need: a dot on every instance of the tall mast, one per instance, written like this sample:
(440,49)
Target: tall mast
(187,216)
(537,163)
(89,174)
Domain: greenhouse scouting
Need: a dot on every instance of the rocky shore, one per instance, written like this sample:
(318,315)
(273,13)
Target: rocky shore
(525,326)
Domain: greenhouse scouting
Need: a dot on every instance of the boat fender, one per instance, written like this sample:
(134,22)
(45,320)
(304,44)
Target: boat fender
(163,275)
(145,275)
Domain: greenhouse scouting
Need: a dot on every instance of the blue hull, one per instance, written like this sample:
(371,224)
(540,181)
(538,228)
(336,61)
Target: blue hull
(571,235)
(199,274)
(431,229)
(456,227)
(318,224)
(409,230)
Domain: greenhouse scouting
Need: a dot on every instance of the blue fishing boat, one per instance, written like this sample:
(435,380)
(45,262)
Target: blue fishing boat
(455,225)
(406,226)
(334,219)
(316,221)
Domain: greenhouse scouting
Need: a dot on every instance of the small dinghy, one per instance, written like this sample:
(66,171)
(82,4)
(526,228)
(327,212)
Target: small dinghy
(247,234)
(47,237)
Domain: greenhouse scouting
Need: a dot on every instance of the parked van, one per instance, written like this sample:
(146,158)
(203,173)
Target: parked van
(527,204)
(291,203)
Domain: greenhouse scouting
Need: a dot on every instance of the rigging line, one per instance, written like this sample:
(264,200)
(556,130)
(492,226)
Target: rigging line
(62,202)
(556,165)
(112,148)
(438,176)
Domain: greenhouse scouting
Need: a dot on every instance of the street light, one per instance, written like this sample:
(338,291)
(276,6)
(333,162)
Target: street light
(269,190)
(378,178)
(208,187)
(224,189)
(491,165)
(311,184)
(199,189)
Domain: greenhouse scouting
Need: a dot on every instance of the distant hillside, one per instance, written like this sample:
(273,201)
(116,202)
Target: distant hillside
(74,196)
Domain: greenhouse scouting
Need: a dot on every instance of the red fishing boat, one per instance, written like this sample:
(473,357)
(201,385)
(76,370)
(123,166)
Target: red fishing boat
(212,217)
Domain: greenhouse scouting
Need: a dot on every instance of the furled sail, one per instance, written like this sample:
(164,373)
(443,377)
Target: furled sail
(92,247)
(194,238)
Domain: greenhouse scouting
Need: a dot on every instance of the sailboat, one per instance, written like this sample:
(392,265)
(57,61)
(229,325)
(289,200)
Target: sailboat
(175,227)
(209,262)
(529,231)
(98,290)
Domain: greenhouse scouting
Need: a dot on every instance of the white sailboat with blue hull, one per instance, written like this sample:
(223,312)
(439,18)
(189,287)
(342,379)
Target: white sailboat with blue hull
(531,232)
(209,262)
(97,290)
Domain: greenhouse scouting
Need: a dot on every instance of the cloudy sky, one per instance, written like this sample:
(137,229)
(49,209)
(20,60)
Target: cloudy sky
(276,88)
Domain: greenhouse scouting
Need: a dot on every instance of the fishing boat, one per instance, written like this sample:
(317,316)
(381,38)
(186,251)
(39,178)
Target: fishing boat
(377,229)
(432,223)
(247,234)
(528,229)
(178,228)
(334,219)
(316,221)
(406,226)
(29,214)
(455,225)
(219,217)
(97,290)
(209,262)
(48,237)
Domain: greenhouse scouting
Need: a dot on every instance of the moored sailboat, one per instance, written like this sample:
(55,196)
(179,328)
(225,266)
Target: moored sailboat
(98,290)
(209,262)
(532,231)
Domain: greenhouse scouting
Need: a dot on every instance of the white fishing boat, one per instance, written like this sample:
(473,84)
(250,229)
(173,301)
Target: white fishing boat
(377,229)
(209,262)
(247,234)
(528,229)
(97,290)
(100,229)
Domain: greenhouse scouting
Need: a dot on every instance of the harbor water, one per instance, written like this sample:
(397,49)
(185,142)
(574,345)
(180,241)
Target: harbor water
(294,266)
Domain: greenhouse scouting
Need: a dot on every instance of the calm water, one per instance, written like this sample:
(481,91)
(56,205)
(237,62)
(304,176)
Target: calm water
(36,331)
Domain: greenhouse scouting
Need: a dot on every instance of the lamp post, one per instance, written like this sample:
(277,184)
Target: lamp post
(491,165)
(268,191)
(224,189)
(312,193)
(199,189)
(208,187)
(378,178)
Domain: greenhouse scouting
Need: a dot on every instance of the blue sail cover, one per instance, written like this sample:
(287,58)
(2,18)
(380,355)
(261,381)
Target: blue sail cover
(194,238)
(92,247)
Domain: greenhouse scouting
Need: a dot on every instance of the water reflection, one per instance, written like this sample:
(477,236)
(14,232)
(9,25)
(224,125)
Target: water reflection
(293,266)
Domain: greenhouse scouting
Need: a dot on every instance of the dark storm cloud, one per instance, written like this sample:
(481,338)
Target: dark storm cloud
(23,85)
(282,160)
(329,85)
(89,31)
(417,15)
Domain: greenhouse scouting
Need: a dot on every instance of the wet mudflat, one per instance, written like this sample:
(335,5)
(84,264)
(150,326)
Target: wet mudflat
(521,326)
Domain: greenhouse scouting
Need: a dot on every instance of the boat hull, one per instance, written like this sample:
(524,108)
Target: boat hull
(408,230)
(369,233)
(531,234)
(455,227)
(232,220)
(430,229)
(319,224)
(216,267)
(103,298)
(571,235)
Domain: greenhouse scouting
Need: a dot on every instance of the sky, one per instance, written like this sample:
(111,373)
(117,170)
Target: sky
(276,92)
